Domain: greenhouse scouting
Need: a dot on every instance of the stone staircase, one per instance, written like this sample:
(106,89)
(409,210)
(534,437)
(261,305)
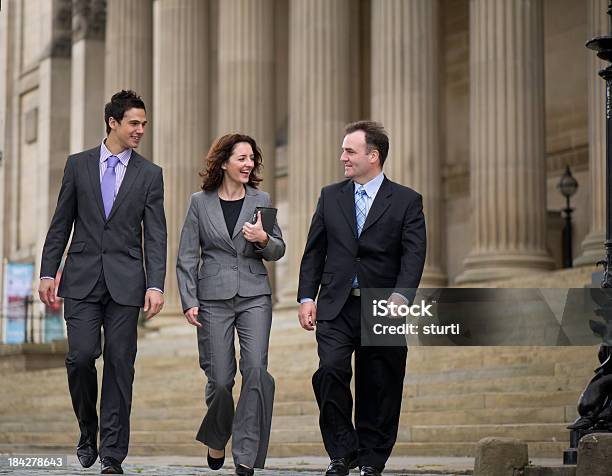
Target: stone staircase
(452,397)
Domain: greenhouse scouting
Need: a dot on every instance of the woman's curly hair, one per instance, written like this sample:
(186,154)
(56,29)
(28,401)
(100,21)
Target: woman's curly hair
(220,152)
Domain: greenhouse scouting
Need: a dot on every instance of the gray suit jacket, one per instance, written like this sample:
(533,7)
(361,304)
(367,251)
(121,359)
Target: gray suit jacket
(227,265)
(114,244)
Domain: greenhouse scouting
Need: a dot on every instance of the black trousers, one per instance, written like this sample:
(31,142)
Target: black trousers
(379,382)
(84,320)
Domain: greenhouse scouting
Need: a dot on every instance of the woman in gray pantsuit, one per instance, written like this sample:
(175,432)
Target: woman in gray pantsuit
(231,290)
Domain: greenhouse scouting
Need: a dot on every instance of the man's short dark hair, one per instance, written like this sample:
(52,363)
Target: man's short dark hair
(119,103)
(375,135)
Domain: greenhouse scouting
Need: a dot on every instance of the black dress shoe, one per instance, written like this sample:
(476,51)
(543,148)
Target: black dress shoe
(111,466)
(87,454)
(215,463)
(369,471)
(244,471)
(338,467)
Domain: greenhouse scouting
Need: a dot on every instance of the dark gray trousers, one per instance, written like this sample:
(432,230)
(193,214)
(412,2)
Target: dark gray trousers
(84,320)
(379,382)
(249,426)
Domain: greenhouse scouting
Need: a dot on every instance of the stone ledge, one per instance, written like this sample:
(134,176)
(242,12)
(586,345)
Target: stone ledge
(24,357)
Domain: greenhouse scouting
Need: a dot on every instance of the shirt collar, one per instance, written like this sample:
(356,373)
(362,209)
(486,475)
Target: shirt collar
(123,156)
(371,188)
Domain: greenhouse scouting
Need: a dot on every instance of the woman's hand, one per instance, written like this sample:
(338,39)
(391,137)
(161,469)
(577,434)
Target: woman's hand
(192,317)
(255,233)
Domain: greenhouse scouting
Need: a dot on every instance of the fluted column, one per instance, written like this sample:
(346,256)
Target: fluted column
(87,71)
(406,100)
(507,161)
(181,132)
(246,75)
(323,82)
(246,79)
(6,88)
(129,55)
(593,244)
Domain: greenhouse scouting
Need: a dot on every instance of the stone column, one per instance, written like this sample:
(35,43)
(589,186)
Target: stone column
(6,86)
(246,79)
(181,133)
(246,76)
(406,100)
(598,23)
(129,55)
(87,81)
(48,127)
(323,97)
(507,163)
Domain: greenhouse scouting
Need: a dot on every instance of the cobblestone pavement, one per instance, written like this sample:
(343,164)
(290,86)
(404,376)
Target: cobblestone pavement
(185,470)
(180,466)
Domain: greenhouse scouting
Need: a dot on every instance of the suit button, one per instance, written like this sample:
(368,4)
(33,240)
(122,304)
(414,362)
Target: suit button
(358,259)
(234,267)
(106,227)
(103,252)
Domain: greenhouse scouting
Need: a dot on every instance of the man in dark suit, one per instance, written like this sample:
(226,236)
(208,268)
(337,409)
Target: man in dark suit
(110,195)
(367,232)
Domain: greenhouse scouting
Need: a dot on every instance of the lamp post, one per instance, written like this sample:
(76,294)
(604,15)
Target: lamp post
(567,186)
(595,403)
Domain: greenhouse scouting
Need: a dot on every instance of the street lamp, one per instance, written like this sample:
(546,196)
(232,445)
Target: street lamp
(595,403)
(567,186)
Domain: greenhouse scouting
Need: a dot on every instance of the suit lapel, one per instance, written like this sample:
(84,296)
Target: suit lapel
(93,168)
(133,169)
(346,200)
(246,211)
(380,204)
(215,214)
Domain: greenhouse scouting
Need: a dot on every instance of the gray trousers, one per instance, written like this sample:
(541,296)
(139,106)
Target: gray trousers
(249,425)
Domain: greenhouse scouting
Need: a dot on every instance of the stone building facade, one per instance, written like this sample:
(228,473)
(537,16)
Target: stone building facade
(486,102)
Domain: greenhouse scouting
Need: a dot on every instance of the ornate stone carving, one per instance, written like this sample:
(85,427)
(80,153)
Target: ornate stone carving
(60,45)
(88,19)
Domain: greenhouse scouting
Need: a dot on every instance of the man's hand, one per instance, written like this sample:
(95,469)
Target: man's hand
(308,315)
(192,316)
(154,302)
(255,232)
(398,300)
(46,291)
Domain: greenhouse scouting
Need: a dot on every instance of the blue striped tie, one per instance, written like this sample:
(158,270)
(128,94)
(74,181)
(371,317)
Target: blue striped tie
(360,208)
(360,215)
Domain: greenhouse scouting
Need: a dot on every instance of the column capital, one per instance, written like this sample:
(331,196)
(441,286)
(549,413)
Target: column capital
(60,45)
(88,19)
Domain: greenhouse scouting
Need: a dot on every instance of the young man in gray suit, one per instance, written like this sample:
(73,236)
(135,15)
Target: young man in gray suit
(109,196)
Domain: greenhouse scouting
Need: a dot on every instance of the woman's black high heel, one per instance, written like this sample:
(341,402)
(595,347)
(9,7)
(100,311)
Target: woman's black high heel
(215,463)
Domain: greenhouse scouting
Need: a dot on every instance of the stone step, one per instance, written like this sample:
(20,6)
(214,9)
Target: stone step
(292,389)
(435,361)
(188,419)
(190,376)
(461,433)
(307,431)
(140,412)
(488,416)
(288,449)
(432,359)
(487,402)
(535,383)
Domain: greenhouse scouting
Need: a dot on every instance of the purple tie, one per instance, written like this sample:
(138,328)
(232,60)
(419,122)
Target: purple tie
(108,184)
